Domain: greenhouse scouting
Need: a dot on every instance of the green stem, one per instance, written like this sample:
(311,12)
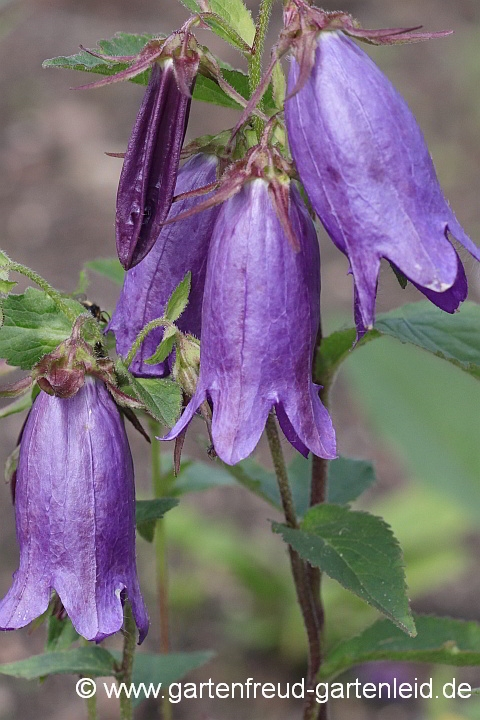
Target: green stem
(92,708)
(129,646)
(46,287)
(299,568)
(255,59)
(160,489)
(158,322)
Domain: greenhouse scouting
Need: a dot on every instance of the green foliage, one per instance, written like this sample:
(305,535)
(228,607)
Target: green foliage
(428,411)
(179,298)
(206,89)
(452,337)
(235,15)
(164,348)
(439,640)
(147,512)
(162,398)
(60,634)
(33,327)
(109,268)
(360,552)
(91,660)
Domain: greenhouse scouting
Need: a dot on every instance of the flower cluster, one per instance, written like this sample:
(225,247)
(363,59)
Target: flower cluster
(241,228)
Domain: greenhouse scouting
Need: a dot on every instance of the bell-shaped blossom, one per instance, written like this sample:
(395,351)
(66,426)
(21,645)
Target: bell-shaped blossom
(75,516)
(180,247)
(367,171)
(149,173)
(260,318)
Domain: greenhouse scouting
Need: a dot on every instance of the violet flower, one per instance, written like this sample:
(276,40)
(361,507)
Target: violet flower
(367,171)
(179,248)
(260,318)
(147,181)
(75,516)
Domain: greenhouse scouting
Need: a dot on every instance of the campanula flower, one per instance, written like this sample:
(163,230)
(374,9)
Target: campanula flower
(369,176)
(75,516)
(260,318)
(180,247)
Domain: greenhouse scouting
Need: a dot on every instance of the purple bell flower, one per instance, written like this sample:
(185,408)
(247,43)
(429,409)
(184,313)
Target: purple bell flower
(75,516)
(367,171)
(260,318)
(147,181)
(180,247)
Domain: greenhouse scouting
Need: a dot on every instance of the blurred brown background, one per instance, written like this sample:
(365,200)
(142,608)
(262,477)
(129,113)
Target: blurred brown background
(57,203)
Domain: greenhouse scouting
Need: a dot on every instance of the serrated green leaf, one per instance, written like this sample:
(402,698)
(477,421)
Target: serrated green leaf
(60,634)
(347,480)
(33,326)
(22,403)
(109,268)
(358,550)
(455,338)
(234,12)
(147,512)
(162,397)
(83,661)
(179,298)
(439,640)
(120,44)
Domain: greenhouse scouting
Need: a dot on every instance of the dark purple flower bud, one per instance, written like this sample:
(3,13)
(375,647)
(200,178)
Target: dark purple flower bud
(179,248)
(366,168)
(75,516)
(147,182)
(260,318)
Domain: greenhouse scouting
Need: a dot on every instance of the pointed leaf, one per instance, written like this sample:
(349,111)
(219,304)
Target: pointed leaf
(179,298)
(164,349)
(60,634)
(360,552)
(233,12)
(33,326)
(89,660)
(109,268)
(147,512)
(439,640)
(162,397)
(6,286)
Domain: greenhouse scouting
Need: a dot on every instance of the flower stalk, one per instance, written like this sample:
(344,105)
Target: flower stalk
(129,644)
(255,59)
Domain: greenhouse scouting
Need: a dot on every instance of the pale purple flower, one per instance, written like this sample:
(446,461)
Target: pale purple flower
(75,516)
(260,318)
(367,171)
(179,248)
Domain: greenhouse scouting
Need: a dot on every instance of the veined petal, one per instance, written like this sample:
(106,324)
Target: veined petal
(75,515)
(368,173)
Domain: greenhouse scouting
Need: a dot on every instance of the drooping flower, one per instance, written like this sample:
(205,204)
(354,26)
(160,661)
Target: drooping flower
(179,248)
(260,318)
(75,516)
(367,171)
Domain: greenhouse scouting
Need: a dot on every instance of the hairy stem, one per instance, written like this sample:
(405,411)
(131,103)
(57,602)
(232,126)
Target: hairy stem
(158,322)
(160,489)
(255,59)
(91,708)
(300,569)
(47,288)
(129,646)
